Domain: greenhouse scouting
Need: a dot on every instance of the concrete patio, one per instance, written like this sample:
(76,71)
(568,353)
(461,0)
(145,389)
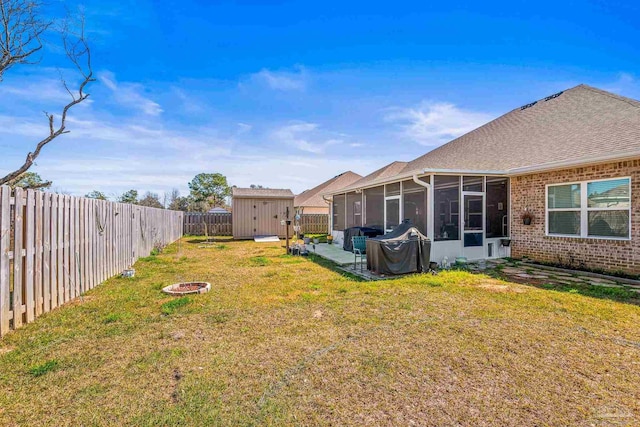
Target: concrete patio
(333,253)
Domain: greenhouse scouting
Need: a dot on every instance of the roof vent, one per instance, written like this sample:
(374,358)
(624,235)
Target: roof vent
(524,107)
(555,95)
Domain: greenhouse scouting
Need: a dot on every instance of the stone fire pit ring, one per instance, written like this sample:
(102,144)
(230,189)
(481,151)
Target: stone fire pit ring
(187,288)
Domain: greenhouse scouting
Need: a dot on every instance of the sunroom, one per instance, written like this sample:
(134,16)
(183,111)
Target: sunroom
(464,215)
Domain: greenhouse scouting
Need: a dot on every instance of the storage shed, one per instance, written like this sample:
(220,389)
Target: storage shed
(259,212)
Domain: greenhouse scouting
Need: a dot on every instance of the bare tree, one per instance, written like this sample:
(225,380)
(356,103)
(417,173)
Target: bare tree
(21,30)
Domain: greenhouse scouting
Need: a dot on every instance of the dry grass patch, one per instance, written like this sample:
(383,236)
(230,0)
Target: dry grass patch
(282,340)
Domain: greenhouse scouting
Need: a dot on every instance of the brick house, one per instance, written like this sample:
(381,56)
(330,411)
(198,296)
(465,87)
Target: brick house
(570,160)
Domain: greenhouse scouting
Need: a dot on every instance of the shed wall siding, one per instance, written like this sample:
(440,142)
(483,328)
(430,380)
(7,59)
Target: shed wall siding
(599,254)
(268,212)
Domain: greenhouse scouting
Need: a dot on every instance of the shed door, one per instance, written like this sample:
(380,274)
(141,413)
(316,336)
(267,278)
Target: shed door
(265,217)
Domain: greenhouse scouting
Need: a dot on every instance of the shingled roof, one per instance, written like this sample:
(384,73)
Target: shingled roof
(272,193)
(578,124)
(381,175)
(313,197)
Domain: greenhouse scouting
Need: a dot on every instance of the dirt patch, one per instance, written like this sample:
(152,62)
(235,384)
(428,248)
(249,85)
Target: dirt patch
(498,287)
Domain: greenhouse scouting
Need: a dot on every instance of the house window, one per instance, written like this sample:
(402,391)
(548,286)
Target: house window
(609,208)
(600,209)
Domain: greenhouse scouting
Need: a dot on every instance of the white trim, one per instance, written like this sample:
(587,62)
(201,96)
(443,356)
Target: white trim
(420,173)
(471,249)
(584,209)
(399,199)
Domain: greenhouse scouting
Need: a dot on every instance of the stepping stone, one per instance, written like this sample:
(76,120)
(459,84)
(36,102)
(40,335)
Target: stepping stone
(561,274)
(539,276)
(599,280)
(512,270)
(573,279)
(525,275)
(606,285)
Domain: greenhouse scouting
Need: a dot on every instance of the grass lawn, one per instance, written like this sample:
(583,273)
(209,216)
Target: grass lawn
(283,340)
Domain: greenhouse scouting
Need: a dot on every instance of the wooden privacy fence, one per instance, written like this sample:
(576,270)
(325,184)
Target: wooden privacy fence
(210,224)
(314,223)
(216,224)
(54,247)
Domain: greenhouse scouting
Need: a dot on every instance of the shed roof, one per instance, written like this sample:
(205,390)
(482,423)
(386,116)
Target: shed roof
(313,197)
(270,193)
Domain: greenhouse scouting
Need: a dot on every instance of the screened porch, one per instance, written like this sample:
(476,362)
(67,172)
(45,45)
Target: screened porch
(463,215)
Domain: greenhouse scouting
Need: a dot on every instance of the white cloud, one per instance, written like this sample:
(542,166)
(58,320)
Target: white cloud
(435,123)
(304,137)
(626,85)
(44,89)
(130,94)
(282,80)
(244,128)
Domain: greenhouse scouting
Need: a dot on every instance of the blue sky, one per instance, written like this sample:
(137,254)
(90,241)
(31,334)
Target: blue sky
(289,94)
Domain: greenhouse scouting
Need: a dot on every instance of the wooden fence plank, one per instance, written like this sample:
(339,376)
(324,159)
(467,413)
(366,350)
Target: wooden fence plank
(60,250)
(39,252)
(5,263)
(29,244)
(46,252)
(18,258)
(53,267)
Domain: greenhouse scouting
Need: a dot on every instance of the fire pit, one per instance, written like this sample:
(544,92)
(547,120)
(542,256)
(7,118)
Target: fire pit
(187,288)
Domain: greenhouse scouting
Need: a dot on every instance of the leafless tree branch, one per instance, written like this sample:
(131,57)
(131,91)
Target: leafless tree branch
(20,38)
(21,33)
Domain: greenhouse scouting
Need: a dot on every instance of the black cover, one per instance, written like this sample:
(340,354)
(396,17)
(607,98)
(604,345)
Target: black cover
(404,250)
(358,231)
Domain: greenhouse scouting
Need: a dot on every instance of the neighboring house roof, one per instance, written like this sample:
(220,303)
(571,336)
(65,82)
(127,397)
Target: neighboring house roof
(217,210)
(579,126)
(612,197)
(313,197)
(272,193)
(381,175)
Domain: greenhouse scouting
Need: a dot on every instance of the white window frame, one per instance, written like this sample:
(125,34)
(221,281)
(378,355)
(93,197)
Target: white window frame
(584,209)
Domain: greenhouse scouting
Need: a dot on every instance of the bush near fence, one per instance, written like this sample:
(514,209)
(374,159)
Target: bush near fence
(55,247)
(216,224)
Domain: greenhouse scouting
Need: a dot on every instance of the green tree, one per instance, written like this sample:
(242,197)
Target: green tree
(29,180)
(151,200)
(130,196)
(211,188)
(177,202)
(95,194)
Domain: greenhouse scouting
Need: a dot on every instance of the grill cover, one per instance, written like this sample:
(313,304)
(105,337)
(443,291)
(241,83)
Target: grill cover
(404,250)
(358,231)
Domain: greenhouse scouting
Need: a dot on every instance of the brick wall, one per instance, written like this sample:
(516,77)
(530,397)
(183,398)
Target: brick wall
(528,192)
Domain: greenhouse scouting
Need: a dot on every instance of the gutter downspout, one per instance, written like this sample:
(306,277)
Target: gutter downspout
(429,205)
